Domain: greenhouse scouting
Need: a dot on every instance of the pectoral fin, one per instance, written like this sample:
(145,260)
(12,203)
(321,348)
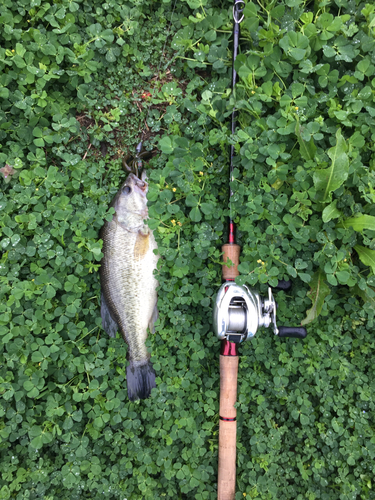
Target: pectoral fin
(109,324)
(141,246)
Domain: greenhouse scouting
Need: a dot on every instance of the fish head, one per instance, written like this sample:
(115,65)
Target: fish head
(132,197)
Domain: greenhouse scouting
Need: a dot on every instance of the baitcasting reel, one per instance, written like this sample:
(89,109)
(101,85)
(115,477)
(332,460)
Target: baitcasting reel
(240,311)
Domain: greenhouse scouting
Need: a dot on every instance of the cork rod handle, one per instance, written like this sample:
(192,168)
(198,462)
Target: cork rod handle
(227,428)
(231,251)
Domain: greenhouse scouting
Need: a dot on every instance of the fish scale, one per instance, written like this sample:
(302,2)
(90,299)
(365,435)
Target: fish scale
(128,284)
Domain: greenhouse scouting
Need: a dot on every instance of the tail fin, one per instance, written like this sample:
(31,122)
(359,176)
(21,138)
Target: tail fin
(140,379)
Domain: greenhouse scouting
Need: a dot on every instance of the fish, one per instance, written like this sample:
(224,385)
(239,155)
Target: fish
(128,283)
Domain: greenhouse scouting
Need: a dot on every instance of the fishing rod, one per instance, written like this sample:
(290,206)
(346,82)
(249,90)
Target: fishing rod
(238,313)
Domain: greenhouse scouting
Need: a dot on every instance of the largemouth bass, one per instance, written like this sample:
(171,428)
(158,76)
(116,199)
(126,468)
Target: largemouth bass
(129,298)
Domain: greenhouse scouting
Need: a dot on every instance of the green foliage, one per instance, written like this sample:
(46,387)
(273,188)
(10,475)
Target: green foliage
(303,187)
(317,294)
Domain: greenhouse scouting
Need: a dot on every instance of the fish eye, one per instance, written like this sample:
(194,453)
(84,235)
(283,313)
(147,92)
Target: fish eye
(126,189)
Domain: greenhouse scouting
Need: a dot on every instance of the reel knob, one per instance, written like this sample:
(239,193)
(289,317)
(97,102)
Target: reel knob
(296,332)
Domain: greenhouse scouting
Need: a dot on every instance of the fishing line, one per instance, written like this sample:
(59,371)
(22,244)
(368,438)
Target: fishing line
(238,15)
(139,147)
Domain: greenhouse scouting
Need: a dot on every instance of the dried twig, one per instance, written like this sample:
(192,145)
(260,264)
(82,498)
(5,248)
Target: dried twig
(88,149)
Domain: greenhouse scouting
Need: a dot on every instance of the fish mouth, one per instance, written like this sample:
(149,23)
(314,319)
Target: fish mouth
(139,186)
(142,185)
